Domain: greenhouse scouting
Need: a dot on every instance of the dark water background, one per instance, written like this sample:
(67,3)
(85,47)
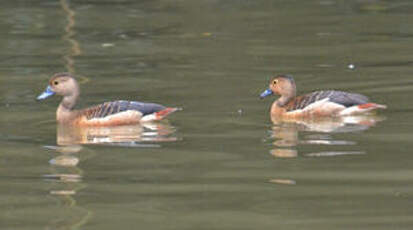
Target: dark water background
(225,165)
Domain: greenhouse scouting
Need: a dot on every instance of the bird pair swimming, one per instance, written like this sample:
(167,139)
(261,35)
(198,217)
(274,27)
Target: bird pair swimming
(316,104)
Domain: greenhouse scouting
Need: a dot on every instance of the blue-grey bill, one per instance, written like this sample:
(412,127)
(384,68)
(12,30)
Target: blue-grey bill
(47,93)
(267,92)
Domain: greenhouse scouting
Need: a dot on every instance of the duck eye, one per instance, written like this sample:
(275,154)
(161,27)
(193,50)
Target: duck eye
(56,83)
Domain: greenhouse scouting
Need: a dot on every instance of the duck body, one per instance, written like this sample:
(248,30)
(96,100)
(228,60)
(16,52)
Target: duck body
(107,114)
(114,113)
(329,103)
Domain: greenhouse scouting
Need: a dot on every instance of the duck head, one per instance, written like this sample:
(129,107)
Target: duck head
(63,84)
(283,85)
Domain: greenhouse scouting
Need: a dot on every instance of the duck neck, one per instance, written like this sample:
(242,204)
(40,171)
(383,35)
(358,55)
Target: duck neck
(287,96)
(65,110)
(284,99)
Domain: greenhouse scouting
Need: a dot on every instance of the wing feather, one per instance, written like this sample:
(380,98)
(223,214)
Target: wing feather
(339,97)
(114,107)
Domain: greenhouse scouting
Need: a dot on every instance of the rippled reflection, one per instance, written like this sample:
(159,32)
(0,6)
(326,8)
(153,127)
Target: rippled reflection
(65,178)
(283,181)
(287,135)
(140,135)
(64,170)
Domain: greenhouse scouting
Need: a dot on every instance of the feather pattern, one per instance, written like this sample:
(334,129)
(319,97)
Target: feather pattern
(114,107)
(339,97)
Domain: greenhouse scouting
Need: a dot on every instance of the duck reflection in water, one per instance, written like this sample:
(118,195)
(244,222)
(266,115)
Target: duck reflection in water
(66,178)
(287,134)
(70,141)
(139,135)
(65,181)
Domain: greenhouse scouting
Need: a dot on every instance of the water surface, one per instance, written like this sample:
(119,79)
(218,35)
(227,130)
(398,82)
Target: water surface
(224,164)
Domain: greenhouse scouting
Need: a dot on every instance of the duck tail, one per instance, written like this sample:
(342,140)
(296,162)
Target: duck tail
(165,112)
(371,106)
(157,116)
(362,108)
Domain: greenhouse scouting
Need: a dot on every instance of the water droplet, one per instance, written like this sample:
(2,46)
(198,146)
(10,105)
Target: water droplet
(104,45)
(351,66)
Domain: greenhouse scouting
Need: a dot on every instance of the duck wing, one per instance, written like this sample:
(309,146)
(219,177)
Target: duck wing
(342,98)
(114,107)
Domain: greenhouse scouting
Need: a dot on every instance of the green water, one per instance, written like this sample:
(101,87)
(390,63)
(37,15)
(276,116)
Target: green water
(221,163)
